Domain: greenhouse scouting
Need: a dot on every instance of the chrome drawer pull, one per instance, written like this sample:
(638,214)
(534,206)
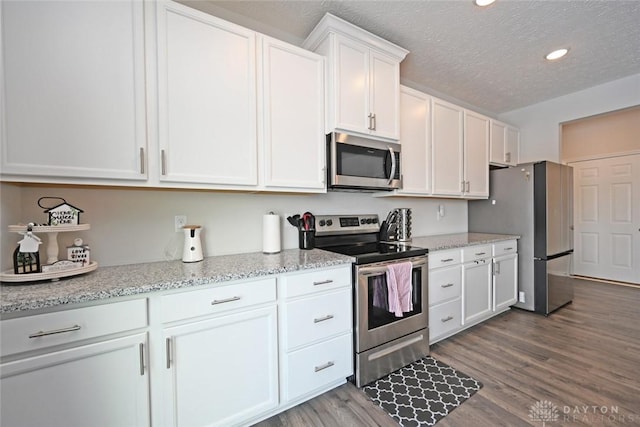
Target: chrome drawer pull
(480,253)
(447,260)
(448,285)
(325,366)
(322,319)
(508,249)
(323,282)
(222,301)
(141,349)
(167,350)
(54,332)
(446,319)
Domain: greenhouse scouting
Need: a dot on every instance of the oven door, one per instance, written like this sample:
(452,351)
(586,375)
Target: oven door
(375,325)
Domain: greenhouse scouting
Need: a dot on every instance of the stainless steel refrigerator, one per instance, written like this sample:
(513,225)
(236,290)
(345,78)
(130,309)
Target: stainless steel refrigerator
(535,201)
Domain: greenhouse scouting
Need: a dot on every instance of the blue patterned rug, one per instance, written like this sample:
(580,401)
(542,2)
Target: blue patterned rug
(422,393)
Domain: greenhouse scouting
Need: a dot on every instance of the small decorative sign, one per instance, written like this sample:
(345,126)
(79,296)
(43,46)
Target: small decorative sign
(60,266)
(26,258)
(62,214)
(79,253)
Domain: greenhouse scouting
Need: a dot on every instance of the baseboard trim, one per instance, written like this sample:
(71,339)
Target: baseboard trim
(611,282)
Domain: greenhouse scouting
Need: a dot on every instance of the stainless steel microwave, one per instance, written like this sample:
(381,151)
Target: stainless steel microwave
(359,163)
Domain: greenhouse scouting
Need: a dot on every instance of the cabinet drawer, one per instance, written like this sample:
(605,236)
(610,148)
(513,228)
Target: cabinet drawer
(317,366)
(444,258)
(444,284)
(472,253)
(63,327)
(444,318)
(219,299)
(297,284)
(504,248)
(315,318)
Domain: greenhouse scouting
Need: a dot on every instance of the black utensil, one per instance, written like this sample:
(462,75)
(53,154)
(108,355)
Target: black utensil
(294,220)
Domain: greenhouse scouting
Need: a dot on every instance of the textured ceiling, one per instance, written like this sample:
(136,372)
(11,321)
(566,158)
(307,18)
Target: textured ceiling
(491,58)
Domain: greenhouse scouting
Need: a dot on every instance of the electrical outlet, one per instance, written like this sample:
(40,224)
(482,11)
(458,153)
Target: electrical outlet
(180,221)
(521,297)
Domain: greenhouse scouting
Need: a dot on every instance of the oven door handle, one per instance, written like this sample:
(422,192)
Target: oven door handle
(377,269)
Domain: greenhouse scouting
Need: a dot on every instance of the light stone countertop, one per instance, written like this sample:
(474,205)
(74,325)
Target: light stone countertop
(136,279)
(458,240)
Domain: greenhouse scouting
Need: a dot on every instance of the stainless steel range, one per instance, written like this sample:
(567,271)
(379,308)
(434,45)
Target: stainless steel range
(386,337)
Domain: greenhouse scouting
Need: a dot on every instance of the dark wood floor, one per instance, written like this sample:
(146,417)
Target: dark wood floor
(586,354)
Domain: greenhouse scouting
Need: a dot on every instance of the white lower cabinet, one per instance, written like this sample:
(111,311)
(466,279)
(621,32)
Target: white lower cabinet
(222,371)
(316,341)
(74,368)
(470,285)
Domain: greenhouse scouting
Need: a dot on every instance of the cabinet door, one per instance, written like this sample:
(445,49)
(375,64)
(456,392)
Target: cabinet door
(74,89)
(384,98)
(505,281)
(512,146)
(222,371)
(477,301)
(497,145)
(293,110)
(102,384)
(447,146)
(352,85)
(414,138)
(476,154)
(207,98)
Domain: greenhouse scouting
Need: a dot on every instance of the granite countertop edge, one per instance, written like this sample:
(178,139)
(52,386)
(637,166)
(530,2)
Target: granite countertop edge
(145,278)
(440,242)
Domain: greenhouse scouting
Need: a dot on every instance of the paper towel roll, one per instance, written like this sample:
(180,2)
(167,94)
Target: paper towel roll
(271,233)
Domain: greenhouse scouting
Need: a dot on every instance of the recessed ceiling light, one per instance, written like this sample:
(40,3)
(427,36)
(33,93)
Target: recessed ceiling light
(557,54)
(483,3)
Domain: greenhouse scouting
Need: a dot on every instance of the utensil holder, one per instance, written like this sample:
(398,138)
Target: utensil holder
(307,239)
(403,231)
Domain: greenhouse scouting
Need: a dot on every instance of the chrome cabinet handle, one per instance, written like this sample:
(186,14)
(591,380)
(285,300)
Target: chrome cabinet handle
(446,319)
(507,157)
(163,162)
(508,249)
(373,118)
(142,160)
(323,318)
(393,165)
(325,366)
(462,188)
(141,348)
(370,127)
(323,282)
(496,268)
(447,260)
(55,332)
(222,301)
(468,184)
(168,352)
(448,285)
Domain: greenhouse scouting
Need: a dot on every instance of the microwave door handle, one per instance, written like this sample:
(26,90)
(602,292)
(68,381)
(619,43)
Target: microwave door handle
(393,165)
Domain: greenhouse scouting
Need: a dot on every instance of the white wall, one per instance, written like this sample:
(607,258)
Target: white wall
(133,225)
(540,123)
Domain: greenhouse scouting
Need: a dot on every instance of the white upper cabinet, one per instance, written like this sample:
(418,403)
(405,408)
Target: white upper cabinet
(292,102)
(476,155)
(363,78)
(447,148)
(505,144)
(206,98)
(74,89)
(460,147)
(415,142)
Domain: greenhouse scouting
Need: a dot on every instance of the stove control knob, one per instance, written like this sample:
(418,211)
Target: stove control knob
(329,222)
(322,223)
(362,221)
(375,220)
(369,220)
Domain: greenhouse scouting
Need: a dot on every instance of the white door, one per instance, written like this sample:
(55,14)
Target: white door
(352,86)
(384,95)
(73,89)
(476,154)
(293,110)
(223,370)
(446,146)
(103,385)
(607,218)
(477,301)
(207,98)
(414,137)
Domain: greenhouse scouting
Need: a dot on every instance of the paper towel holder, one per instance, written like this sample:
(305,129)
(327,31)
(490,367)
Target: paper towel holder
(271,234)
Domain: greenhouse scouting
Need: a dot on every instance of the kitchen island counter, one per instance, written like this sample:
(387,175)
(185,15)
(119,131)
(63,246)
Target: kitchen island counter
(137,279)
(458,240)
